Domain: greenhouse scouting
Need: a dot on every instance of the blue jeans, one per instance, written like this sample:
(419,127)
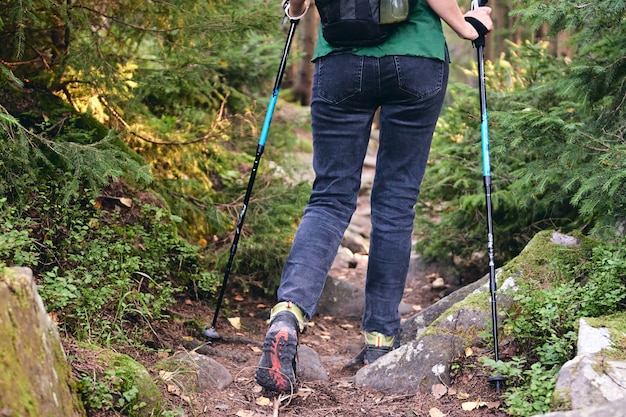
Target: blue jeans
(347,90)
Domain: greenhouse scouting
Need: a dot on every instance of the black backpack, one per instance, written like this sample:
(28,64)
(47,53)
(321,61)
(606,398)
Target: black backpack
(353,22)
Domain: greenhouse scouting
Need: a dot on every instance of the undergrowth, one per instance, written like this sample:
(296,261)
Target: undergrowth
(543,321)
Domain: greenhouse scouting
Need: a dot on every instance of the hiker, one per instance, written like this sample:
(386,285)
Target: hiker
(406,76)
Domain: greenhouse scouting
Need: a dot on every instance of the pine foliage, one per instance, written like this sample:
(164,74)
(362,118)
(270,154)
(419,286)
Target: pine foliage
(577,119)
(557,140)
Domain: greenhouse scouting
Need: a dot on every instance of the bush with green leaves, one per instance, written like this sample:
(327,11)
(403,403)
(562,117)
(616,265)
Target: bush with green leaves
(105,274)
(557,139)
(574,121)
(451,222)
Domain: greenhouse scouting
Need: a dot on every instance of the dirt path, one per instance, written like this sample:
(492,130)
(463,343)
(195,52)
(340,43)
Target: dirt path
(336,340)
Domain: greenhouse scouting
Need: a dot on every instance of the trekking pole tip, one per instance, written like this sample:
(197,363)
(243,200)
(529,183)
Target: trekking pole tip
(498,382)
(211,333)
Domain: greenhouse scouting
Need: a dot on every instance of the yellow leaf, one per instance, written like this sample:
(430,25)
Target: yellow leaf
(462,396)
(263,401)
(435,412)
(469,405)
(235,322)
(468,352)
(173,389)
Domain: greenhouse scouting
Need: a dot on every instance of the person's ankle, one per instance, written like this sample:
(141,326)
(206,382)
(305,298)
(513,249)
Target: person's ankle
(378,339)
(292,308)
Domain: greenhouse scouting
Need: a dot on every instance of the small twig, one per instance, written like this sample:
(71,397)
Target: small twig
(276,406)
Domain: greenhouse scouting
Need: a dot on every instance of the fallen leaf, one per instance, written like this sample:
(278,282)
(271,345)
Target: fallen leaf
(263,401)
(468,352)
(462,396)
(256,349)
(493,404)
(439,390)
(452,391)
(472,405)
(126,202)
(166,376)
(235,322)
(238,297)
(245,413)
(432,276)
(435,412)
(438,284)
(469,405)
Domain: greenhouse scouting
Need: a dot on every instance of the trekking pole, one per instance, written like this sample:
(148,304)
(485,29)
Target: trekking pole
(479,43)
(211,333)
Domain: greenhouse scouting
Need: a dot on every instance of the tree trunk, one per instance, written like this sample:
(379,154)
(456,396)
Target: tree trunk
(308,38)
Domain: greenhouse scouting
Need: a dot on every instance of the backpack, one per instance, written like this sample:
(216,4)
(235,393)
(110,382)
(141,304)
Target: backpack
(358,22)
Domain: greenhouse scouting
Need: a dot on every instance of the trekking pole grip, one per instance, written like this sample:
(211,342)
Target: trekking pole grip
(480,28)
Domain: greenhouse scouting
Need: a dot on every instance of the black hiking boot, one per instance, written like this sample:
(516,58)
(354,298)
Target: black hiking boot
(277,367)
(372,353)
(367,355)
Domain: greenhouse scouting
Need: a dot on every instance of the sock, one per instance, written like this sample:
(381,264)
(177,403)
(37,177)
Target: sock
(378,339)
(289,306)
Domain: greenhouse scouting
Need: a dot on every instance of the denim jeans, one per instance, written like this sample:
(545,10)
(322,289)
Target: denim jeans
(347,90)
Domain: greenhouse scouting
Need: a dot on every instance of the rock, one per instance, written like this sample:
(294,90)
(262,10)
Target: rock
(591,339)
(615,408)
(130,375)
(433,339)
(36,379)
(355,242)
(438,284)
(309,365)
(415,366)
(591,378)
(341,298)
(344,259)
(565,240)
(194,372)
(414,326)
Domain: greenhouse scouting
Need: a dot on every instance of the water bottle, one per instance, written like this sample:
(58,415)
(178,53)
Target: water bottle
(393,11)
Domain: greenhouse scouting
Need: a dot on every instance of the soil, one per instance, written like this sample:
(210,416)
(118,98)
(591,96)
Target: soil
(336,340)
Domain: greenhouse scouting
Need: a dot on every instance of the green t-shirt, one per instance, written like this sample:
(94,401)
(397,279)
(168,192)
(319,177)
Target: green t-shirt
(422,35)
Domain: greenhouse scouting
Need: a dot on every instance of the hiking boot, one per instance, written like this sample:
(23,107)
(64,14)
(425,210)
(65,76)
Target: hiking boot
(372,353)
(376,345)
(277,367)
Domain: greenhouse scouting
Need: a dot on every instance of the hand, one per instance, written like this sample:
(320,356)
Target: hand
(297,7)
(483,15)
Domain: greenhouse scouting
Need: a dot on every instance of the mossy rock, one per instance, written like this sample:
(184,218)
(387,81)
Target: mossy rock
(133,377)
(36,379)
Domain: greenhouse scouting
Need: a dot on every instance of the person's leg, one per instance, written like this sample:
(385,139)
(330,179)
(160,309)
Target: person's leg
(341,119)
(414,92)
(342,111)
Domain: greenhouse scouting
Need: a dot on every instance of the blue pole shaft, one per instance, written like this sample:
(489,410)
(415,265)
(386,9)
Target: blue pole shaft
(211,333)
